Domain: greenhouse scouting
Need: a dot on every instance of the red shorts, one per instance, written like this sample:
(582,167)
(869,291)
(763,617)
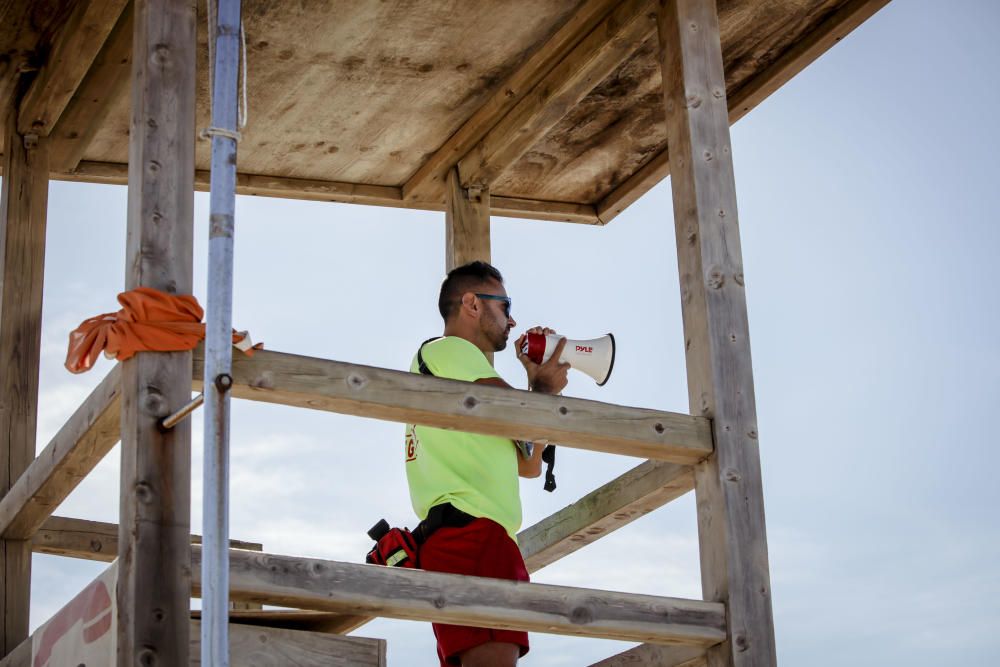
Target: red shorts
(480,549)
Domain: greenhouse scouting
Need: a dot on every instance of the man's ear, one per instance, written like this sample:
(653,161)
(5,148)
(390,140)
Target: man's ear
(469,302)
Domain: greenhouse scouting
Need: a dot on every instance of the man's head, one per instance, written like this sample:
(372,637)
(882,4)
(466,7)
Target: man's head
(474,305)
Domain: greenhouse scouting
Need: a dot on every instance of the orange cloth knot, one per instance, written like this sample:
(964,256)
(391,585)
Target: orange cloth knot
(149,321)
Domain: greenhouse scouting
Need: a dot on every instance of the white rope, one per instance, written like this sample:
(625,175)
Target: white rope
(242,112)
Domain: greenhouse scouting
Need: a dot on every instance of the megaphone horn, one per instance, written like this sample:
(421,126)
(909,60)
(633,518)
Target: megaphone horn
(595,357)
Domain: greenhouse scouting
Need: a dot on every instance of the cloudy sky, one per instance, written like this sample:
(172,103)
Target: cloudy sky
(868,197)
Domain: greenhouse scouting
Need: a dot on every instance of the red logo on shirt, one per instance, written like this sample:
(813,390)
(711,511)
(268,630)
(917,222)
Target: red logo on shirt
(411,445)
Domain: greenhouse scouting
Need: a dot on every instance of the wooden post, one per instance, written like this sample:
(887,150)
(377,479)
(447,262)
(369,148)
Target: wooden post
(734,564)
(22,259)
(467,223)
(154,580)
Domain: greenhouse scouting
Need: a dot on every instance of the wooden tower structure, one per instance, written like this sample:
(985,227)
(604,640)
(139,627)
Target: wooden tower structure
(563,110)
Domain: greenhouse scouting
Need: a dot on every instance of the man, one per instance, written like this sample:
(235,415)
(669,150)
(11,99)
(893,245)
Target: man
(468,483)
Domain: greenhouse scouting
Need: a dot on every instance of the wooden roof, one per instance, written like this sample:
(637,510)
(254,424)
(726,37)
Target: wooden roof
(555,103)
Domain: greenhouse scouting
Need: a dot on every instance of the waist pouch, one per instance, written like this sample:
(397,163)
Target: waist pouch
(399,547)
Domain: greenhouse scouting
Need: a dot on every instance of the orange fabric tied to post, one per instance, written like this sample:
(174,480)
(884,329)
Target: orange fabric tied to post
(149,321)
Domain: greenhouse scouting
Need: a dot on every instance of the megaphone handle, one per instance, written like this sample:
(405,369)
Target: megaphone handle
(549,456)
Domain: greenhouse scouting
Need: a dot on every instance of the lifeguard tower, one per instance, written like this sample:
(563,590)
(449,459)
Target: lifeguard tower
(566,110)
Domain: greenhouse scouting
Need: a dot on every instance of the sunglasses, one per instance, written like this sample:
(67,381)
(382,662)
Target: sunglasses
(505,300)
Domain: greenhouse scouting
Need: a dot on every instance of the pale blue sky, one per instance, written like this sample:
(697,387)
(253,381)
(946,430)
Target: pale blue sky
(867,198)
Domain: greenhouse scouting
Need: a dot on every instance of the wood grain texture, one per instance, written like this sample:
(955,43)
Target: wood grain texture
(296,619)
(347,193)
(651,655)
(731,528)
(154,585)
(429,180)
(23,201)
(82,442)
(467,224)
(623,500)
(589,63)
(261,646)
(73,50)
(431,596)
(749,95)
(336,386)
(94,540)
(105,83)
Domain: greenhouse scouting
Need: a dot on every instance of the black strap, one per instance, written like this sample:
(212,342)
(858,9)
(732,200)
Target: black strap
(549,457)
(444,514)
(421,365)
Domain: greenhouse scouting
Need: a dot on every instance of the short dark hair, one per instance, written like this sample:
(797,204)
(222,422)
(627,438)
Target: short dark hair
(462,279)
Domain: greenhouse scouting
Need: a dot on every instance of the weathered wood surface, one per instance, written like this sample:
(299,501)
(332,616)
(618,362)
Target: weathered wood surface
(651,655)
(589,63)
(23,201)
(404,96)
(154,586)
(82,442)
(748,96)
(467,223)
(105,83)
(348,193)
(76,45)
(24,24)
(431,596)
(261,646)
(429,180)
(336,386)
(94,540)
(623,500)
(731,527)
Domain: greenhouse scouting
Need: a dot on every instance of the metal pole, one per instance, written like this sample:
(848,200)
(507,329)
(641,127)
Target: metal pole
(218,339)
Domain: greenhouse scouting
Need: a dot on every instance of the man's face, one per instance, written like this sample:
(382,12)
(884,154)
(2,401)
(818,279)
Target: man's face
(494,321)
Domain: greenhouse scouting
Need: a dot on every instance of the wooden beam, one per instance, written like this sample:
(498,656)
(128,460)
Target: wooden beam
(261,646)
(23,201)
(108,173)
(799,56)
(378,393)
(467,224)
(73,50)
(652,655)
(449,598)
(105,83)
(623,500)
(94,540)
(731,528)
(154,548)
(22,25)
(82,442)
(428,182)
(590,62)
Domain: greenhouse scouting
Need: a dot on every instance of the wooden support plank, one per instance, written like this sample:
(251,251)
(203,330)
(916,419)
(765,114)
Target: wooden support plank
(428,182)
(261,646)
(378,393)
(73,50)
(105,83)
(731,527)
(590,62)
(82,442)
(22,25)
(23,201)
(108,173)
(652,655)
(623,500)
(467,224)
(154,586)
(799,56)
(94,540)
(448,598)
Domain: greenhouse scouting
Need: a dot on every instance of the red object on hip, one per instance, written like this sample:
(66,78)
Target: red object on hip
(481,549)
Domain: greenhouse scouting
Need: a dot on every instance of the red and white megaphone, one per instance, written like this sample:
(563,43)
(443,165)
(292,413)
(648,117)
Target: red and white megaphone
(595,357)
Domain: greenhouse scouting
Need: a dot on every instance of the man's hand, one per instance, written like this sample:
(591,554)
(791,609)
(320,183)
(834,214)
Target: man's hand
(550,377)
